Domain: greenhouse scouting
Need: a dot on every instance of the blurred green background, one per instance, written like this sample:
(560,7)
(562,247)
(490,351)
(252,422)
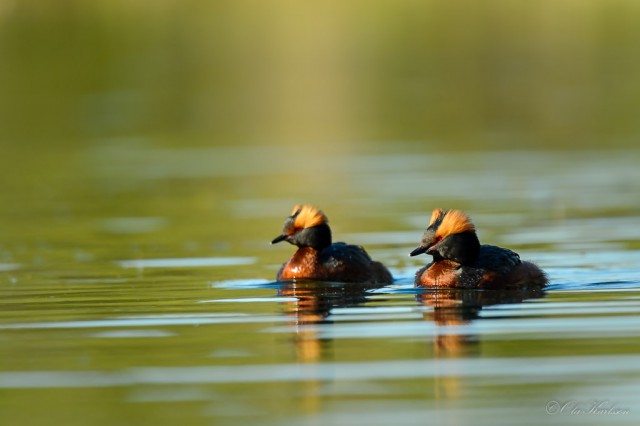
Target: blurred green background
(451,74)
(205,121)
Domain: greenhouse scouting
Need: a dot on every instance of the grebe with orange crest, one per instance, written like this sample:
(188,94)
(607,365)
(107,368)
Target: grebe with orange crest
(318,258)
(460,261)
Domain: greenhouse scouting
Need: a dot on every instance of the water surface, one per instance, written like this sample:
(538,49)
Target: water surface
(164,309)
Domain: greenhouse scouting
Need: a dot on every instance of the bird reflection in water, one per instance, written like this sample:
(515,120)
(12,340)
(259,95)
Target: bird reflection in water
(455,307)
(452,308)
(315,300)
(311,302)
(313,305)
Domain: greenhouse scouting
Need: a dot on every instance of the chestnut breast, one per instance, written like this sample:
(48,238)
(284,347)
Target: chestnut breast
(303,264)
(444,273)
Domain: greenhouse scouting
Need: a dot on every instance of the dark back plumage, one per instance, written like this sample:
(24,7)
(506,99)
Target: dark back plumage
(497,259)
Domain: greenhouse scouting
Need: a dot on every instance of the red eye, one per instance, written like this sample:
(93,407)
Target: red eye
(438,239)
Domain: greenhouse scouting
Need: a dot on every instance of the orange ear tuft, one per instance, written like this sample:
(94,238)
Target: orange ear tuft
(435,215)
(308,216)
(454,222)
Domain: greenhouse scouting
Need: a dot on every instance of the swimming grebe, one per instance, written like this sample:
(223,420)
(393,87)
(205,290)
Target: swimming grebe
(460,261)
(318,259)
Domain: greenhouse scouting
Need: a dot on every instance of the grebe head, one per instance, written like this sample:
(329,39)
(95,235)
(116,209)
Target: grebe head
(450,235)
(306,227)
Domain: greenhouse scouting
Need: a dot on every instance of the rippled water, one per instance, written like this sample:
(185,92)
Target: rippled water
(145,293)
